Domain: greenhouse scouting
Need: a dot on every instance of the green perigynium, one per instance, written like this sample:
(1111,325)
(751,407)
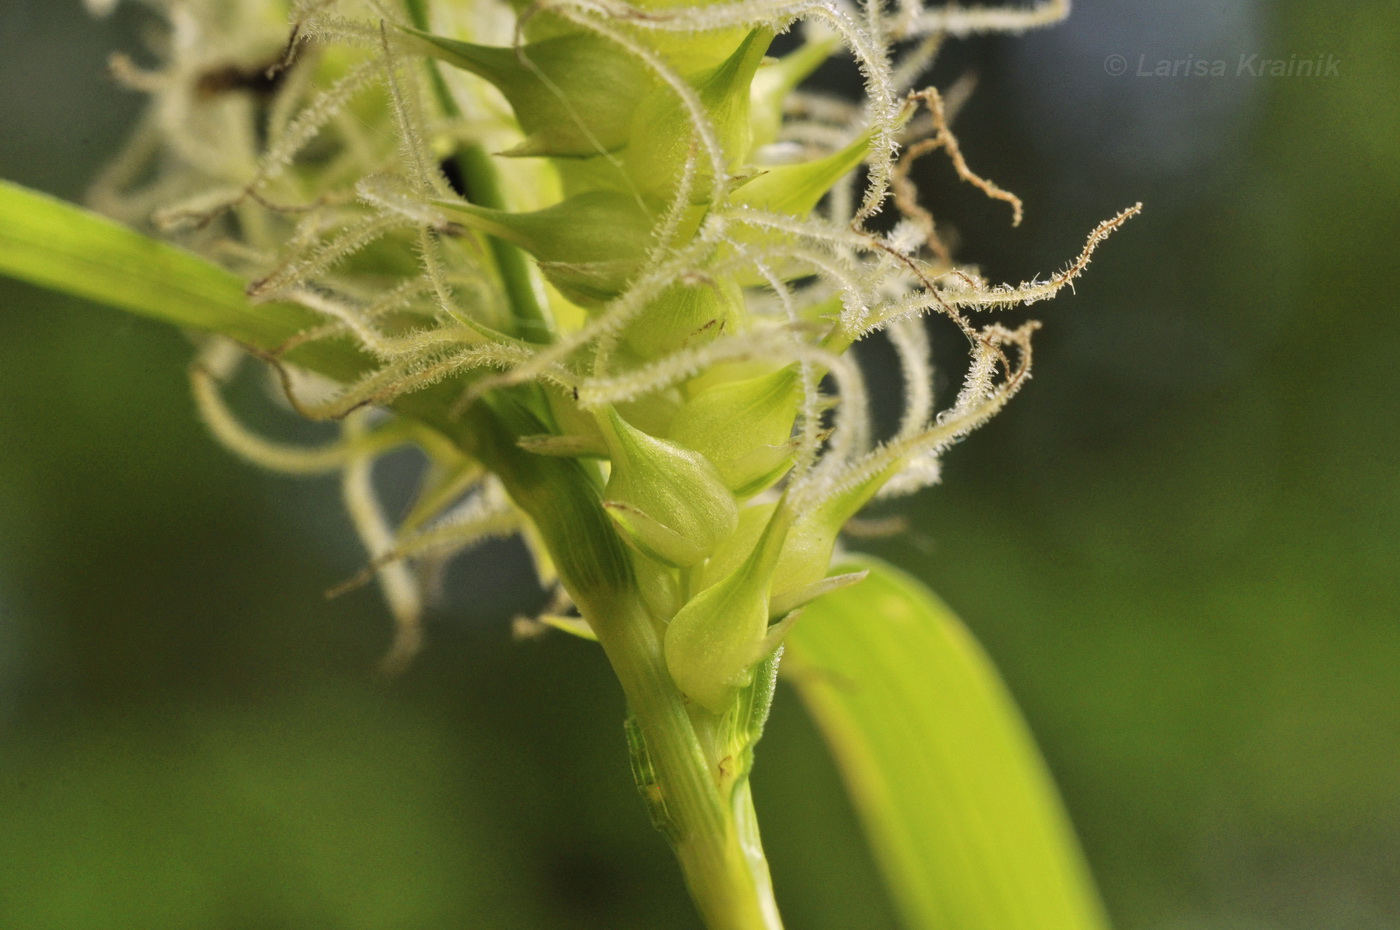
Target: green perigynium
(668,501)
(714,642)
(637,249)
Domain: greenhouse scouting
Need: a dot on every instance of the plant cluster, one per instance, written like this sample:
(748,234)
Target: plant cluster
(627,247)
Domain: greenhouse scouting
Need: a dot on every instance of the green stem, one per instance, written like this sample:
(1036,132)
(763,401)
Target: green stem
(708,817)
(701,791)
(483,187)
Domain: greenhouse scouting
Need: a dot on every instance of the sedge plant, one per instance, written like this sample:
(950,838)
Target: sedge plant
(601,262)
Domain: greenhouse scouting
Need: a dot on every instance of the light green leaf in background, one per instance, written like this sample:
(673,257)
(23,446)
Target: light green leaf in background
(958,805)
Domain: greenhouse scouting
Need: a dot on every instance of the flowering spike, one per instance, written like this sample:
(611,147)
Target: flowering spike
(700,303)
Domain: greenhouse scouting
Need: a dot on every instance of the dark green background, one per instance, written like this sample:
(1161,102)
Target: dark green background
(1179,544)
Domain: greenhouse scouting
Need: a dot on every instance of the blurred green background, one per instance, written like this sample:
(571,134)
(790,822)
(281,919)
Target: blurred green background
(1179,544)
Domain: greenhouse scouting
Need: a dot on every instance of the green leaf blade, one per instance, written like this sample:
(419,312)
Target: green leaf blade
(56,245)
(955,799)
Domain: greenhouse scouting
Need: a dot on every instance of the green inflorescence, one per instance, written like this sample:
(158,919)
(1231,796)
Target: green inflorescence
(698,260)
(632,235)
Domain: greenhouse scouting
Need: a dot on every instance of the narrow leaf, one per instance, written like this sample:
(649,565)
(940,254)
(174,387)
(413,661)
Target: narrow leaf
(54,244)
(956,801)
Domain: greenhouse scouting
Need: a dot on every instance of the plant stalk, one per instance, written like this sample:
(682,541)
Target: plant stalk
(697,792)
(708,817)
